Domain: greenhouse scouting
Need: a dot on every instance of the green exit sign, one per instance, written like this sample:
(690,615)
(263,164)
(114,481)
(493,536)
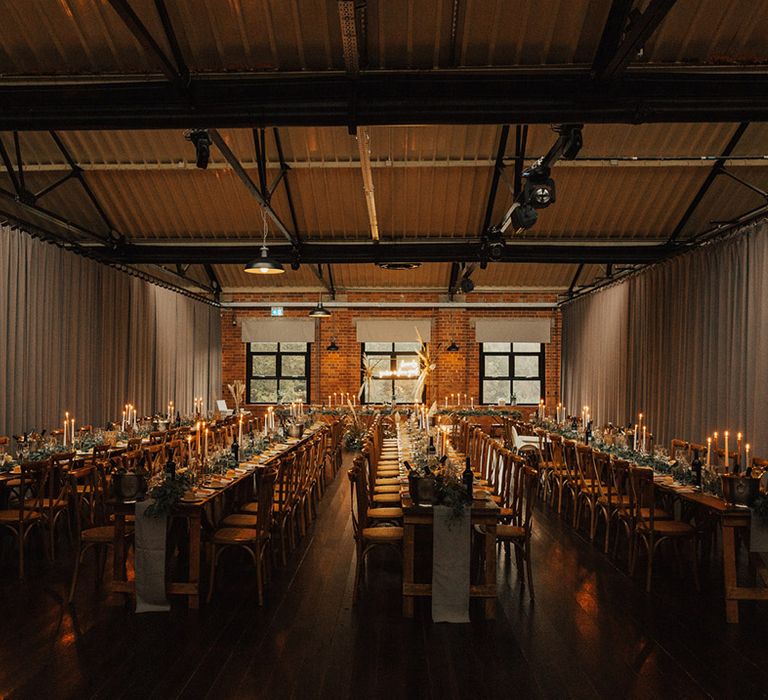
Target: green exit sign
(277,310)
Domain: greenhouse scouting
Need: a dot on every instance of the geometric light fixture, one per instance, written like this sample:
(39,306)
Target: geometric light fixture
(264,265)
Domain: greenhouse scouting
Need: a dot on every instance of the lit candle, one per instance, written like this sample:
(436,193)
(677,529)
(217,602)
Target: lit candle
(709,452)
(189,446)
(472,402)
(727,456)
(634,439)
(205,456)
(644,435)
(446,402)
(198,436)
(66,428)
(123,425)
(746,460)
(334,397)
(329,401)
(738,449)
(240,431)
(451,399)
(73,432)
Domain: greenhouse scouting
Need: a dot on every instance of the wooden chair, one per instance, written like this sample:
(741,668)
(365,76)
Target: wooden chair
(155,457)
(517,531)
(366,537)
(134,443)
(28,513)
(652,531)
(255,541)
(591,486)
(95,533)
(4,444)
(56,502)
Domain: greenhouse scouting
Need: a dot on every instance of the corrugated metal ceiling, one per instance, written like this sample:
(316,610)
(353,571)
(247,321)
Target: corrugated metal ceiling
(86,36)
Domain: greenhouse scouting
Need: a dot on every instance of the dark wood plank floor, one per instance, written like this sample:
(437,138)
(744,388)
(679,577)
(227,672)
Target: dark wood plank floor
(592,632)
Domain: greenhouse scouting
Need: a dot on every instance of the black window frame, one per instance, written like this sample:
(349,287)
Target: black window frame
(512,354)
(278,355)
(393,355)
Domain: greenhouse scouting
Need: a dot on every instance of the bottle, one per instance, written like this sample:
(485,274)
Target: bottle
(235,450)
(468,478)
(170,467)
(588,432)
(696,467)
(443,460)
(413,482)
(178,418)
(431,450)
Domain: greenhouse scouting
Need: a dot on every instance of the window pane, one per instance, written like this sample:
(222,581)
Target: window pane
(527,391)
(404,389)
(293,365)
(378,363)
(407,347)
(263,347)
(380,391)
(495,347)
(293,347)
(263,391)
(377,347)
(263,366)
(497,365)
(527,366)
(527,347)
(495,389)
(293,390)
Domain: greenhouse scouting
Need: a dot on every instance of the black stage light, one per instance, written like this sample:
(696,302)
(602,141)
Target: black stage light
(573,142)
(539,189)
(495,244)
(524,216)
(202,143)
(467,285)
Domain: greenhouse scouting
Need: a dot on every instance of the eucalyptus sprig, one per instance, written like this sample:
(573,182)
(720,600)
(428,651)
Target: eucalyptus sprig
(167,494)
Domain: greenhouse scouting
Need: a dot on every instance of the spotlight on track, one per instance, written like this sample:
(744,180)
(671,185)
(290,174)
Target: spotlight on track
(539,188)
(202,143)
(466,285)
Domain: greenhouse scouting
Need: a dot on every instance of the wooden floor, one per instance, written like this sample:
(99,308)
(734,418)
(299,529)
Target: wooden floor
(591,633)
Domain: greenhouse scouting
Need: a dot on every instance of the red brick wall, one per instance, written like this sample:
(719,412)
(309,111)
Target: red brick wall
(340,371)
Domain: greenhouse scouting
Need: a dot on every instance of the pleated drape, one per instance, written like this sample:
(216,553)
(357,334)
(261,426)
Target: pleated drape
(684,342)
(81,337)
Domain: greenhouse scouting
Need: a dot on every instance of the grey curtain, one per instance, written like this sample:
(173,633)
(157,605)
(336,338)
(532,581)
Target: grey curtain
(81,337)
(684,342)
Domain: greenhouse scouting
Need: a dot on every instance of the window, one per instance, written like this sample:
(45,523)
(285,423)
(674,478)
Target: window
(394,359)
(277,372)
(511,369)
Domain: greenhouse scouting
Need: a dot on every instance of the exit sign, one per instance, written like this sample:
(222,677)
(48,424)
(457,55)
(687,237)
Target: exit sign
(277,310)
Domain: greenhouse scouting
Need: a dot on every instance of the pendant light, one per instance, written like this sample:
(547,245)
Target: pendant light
(320,311)
(332,347)
(452,347)
(264,265)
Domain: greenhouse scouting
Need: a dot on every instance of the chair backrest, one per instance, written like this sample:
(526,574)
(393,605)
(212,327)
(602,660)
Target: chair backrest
(134,443)
(33,486)
(556,451)
(58,482)
(643,496)
(516,501)
(358,497)
(88,478)
(155,458)
(265,484)
(157,437)
(676,446)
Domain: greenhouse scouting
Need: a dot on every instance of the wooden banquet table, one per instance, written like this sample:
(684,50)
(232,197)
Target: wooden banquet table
(730,519)
(195,513)
(485,513)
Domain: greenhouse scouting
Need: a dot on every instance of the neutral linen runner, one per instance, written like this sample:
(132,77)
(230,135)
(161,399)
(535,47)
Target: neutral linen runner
(149,561)
(450,565)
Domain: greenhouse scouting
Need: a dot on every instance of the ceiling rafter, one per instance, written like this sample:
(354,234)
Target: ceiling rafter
(640,28)
(643,95)
(711,177)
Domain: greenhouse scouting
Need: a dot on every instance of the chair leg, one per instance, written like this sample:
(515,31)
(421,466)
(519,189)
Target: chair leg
(259,577)
(212,578)
(73,585)
(529,568)
(607,541)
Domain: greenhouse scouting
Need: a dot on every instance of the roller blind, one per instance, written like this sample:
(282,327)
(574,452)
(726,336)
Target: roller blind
(393,330)
(513,330)
(278,330)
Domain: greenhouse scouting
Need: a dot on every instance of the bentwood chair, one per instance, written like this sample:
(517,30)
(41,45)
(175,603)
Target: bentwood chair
(516,532)
(27,514)
(367,537)
(652,531)
(56,502)
(255,541)
(95,533)
(558,473)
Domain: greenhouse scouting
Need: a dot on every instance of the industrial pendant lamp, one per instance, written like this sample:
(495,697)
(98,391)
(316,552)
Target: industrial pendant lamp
(332,347)
(320,311)
(264,265)
(452,347)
